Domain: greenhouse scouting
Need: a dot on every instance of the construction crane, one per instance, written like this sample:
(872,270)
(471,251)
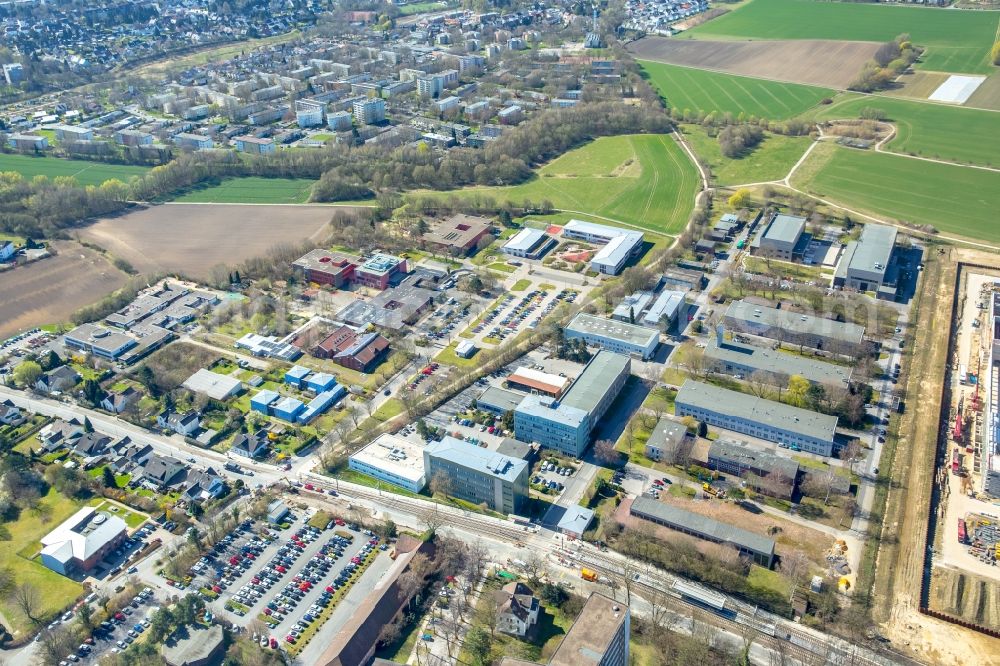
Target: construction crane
(957,431)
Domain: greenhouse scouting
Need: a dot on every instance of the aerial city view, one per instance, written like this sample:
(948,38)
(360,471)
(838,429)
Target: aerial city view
(500,332)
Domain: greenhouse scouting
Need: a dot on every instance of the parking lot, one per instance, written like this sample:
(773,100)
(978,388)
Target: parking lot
(289,578)
(115,634)
(513,313)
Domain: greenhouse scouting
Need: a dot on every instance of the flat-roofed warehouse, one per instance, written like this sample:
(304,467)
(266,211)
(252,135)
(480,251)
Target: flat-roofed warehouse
(392,459)
(733,358)
(782,238)
(760,548)
(212,384)
(616,336)
(867,265)
(757,417)
(795,327)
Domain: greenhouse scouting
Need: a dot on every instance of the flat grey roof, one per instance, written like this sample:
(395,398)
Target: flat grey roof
(751,408)
(593,383)
(473,457)
(874,249)
(636,302)
(590,636)
(552,410)
(778,362)
(785,229)
(698,524)
(745,456)
(666,429)
(796,322)
(667,305)
(499,398)
(629,333)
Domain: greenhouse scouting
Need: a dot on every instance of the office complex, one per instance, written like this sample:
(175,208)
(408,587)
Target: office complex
(392,459)
(795,328)
(867,263)
(477,475)
(617,336)
(566,425)
(757,417)
(773,366)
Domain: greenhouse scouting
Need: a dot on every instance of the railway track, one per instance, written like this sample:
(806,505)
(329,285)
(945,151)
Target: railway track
(773,632)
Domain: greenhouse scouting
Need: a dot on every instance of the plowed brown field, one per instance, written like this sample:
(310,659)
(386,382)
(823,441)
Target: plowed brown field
(831,64)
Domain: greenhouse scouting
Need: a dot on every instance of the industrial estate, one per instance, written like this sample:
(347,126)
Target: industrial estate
(350,332)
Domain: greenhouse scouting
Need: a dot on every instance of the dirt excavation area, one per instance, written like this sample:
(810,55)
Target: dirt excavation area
(971,597)
(192,238)
(831,64)
(49,290)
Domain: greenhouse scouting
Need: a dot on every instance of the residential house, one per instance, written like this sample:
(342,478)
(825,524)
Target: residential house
(162,472)
(203,485)
(119,401)
(517,609)
(60,379)
(185,424)
(11,414)
(91,445)
(59,433)
(248,445)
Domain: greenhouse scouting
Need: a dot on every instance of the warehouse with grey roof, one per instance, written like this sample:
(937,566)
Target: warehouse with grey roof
(753,545)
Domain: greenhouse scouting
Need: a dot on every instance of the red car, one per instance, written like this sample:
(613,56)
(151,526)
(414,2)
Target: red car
(119,616)
(289,638)
(310,486)
(268,611)
(340,522)
(329,588)
(274,643)
(281,569)
(216,589)
(304,587)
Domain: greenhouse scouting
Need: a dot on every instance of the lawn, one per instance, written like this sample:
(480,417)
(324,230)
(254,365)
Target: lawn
(690,89)
(654,191)
(85,172)
(132,518)
(252,190)
(956,41)
(521,285)
(56,591)
(929,130)
(772,159)
(421,8)
(954,199)
(449,357)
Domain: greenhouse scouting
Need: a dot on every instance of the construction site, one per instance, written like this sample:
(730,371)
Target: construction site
(930,596)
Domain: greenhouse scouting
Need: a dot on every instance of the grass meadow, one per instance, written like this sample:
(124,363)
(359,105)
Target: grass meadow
(20,551)
(956,200)
(772,159)
(84,171)
(251,190)
(956,41)
(701,90)
(644,180)
(938,131)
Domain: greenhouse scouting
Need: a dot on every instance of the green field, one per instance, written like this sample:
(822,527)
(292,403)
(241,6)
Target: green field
(421,8)
(931,130)
(697,89)
(55,591)
(956,41)
(252,190)
(957,200)
(86,173)
(772,159)
(644,180)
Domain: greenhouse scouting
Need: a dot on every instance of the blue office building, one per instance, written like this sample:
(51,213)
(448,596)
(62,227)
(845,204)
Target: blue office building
(263,400)
(320,381)
(288,409)
(295,375)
